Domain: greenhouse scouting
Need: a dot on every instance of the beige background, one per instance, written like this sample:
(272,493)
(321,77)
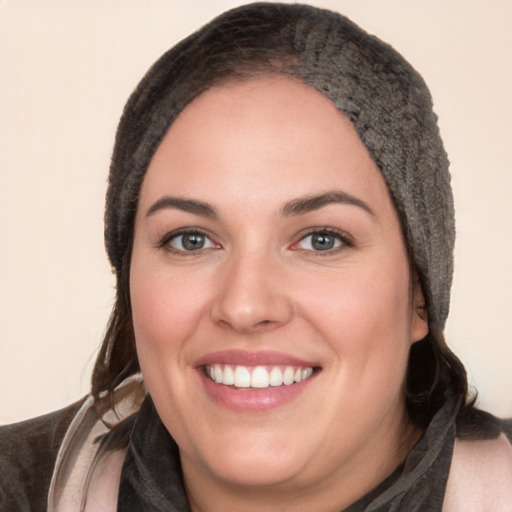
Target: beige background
(66,69)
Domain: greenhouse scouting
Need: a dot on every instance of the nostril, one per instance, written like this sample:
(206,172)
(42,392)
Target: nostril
(266,323)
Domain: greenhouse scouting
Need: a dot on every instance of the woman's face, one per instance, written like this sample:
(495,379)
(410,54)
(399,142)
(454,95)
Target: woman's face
(267,249)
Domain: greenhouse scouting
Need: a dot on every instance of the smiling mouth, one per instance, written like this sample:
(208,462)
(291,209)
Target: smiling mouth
(257,377)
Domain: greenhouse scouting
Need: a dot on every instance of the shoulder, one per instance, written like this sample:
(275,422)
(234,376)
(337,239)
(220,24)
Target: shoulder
(28,450)
(480,478)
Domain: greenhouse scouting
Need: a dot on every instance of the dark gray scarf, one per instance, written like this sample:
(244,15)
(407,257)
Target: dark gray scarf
(152,480)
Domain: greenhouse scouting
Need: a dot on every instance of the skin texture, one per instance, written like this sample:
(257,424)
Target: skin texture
(258,284)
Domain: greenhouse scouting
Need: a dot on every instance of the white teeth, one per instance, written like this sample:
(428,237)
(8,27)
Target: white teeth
(257,377)
(276,377)
(288,376)
(306,372)
(242,378)
(260,378)
(229,376)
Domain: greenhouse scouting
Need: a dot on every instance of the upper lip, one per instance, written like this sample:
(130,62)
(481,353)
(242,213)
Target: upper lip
(248,358)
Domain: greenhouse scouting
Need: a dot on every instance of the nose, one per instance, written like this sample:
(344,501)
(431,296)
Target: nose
(252,296)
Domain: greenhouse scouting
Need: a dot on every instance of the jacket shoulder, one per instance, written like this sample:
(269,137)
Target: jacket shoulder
(28,451)
(480,477)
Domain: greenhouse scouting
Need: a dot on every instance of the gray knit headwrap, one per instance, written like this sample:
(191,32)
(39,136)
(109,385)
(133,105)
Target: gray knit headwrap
(384,97)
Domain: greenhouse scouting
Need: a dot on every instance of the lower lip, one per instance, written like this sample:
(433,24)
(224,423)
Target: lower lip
(251,399)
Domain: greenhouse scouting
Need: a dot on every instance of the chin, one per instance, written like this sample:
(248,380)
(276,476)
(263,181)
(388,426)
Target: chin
(255,462)
(256,470)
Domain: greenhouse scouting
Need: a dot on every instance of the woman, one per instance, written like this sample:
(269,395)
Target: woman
(280,220)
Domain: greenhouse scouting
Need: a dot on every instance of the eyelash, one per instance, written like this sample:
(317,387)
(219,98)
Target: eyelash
(345,241)
(165,241)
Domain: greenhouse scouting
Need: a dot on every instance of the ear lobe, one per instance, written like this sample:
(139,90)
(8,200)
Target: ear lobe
(419,320)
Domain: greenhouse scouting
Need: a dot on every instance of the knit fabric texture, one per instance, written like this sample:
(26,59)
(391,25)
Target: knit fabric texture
(383,96)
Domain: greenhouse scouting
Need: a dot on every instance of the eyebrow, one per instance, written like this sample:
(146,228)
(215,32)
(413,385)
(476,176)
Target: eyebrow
(298,206)
(311,203)
(186,205)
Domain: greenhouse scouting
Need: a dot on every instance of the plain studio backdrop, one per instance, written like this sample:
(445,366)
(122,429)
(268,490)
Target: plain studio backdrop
(67,68)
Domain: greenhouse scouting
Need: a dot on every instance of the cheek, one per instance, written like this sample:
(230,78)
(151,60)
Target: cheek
(361,299)
(166,306)
(151,324)
(167,309)
(365,316)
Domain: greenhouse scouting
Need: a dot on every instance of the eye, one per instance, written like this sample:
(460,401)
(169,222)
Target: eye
(188,241)
(326,240)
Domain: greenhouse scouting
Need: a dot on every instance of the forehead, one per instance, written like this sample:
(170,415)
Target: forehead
(274,135)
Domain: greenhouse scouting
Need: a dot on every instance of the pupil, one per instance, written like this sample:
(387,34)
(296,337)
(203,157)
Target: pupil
(323,242)
(193,242)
